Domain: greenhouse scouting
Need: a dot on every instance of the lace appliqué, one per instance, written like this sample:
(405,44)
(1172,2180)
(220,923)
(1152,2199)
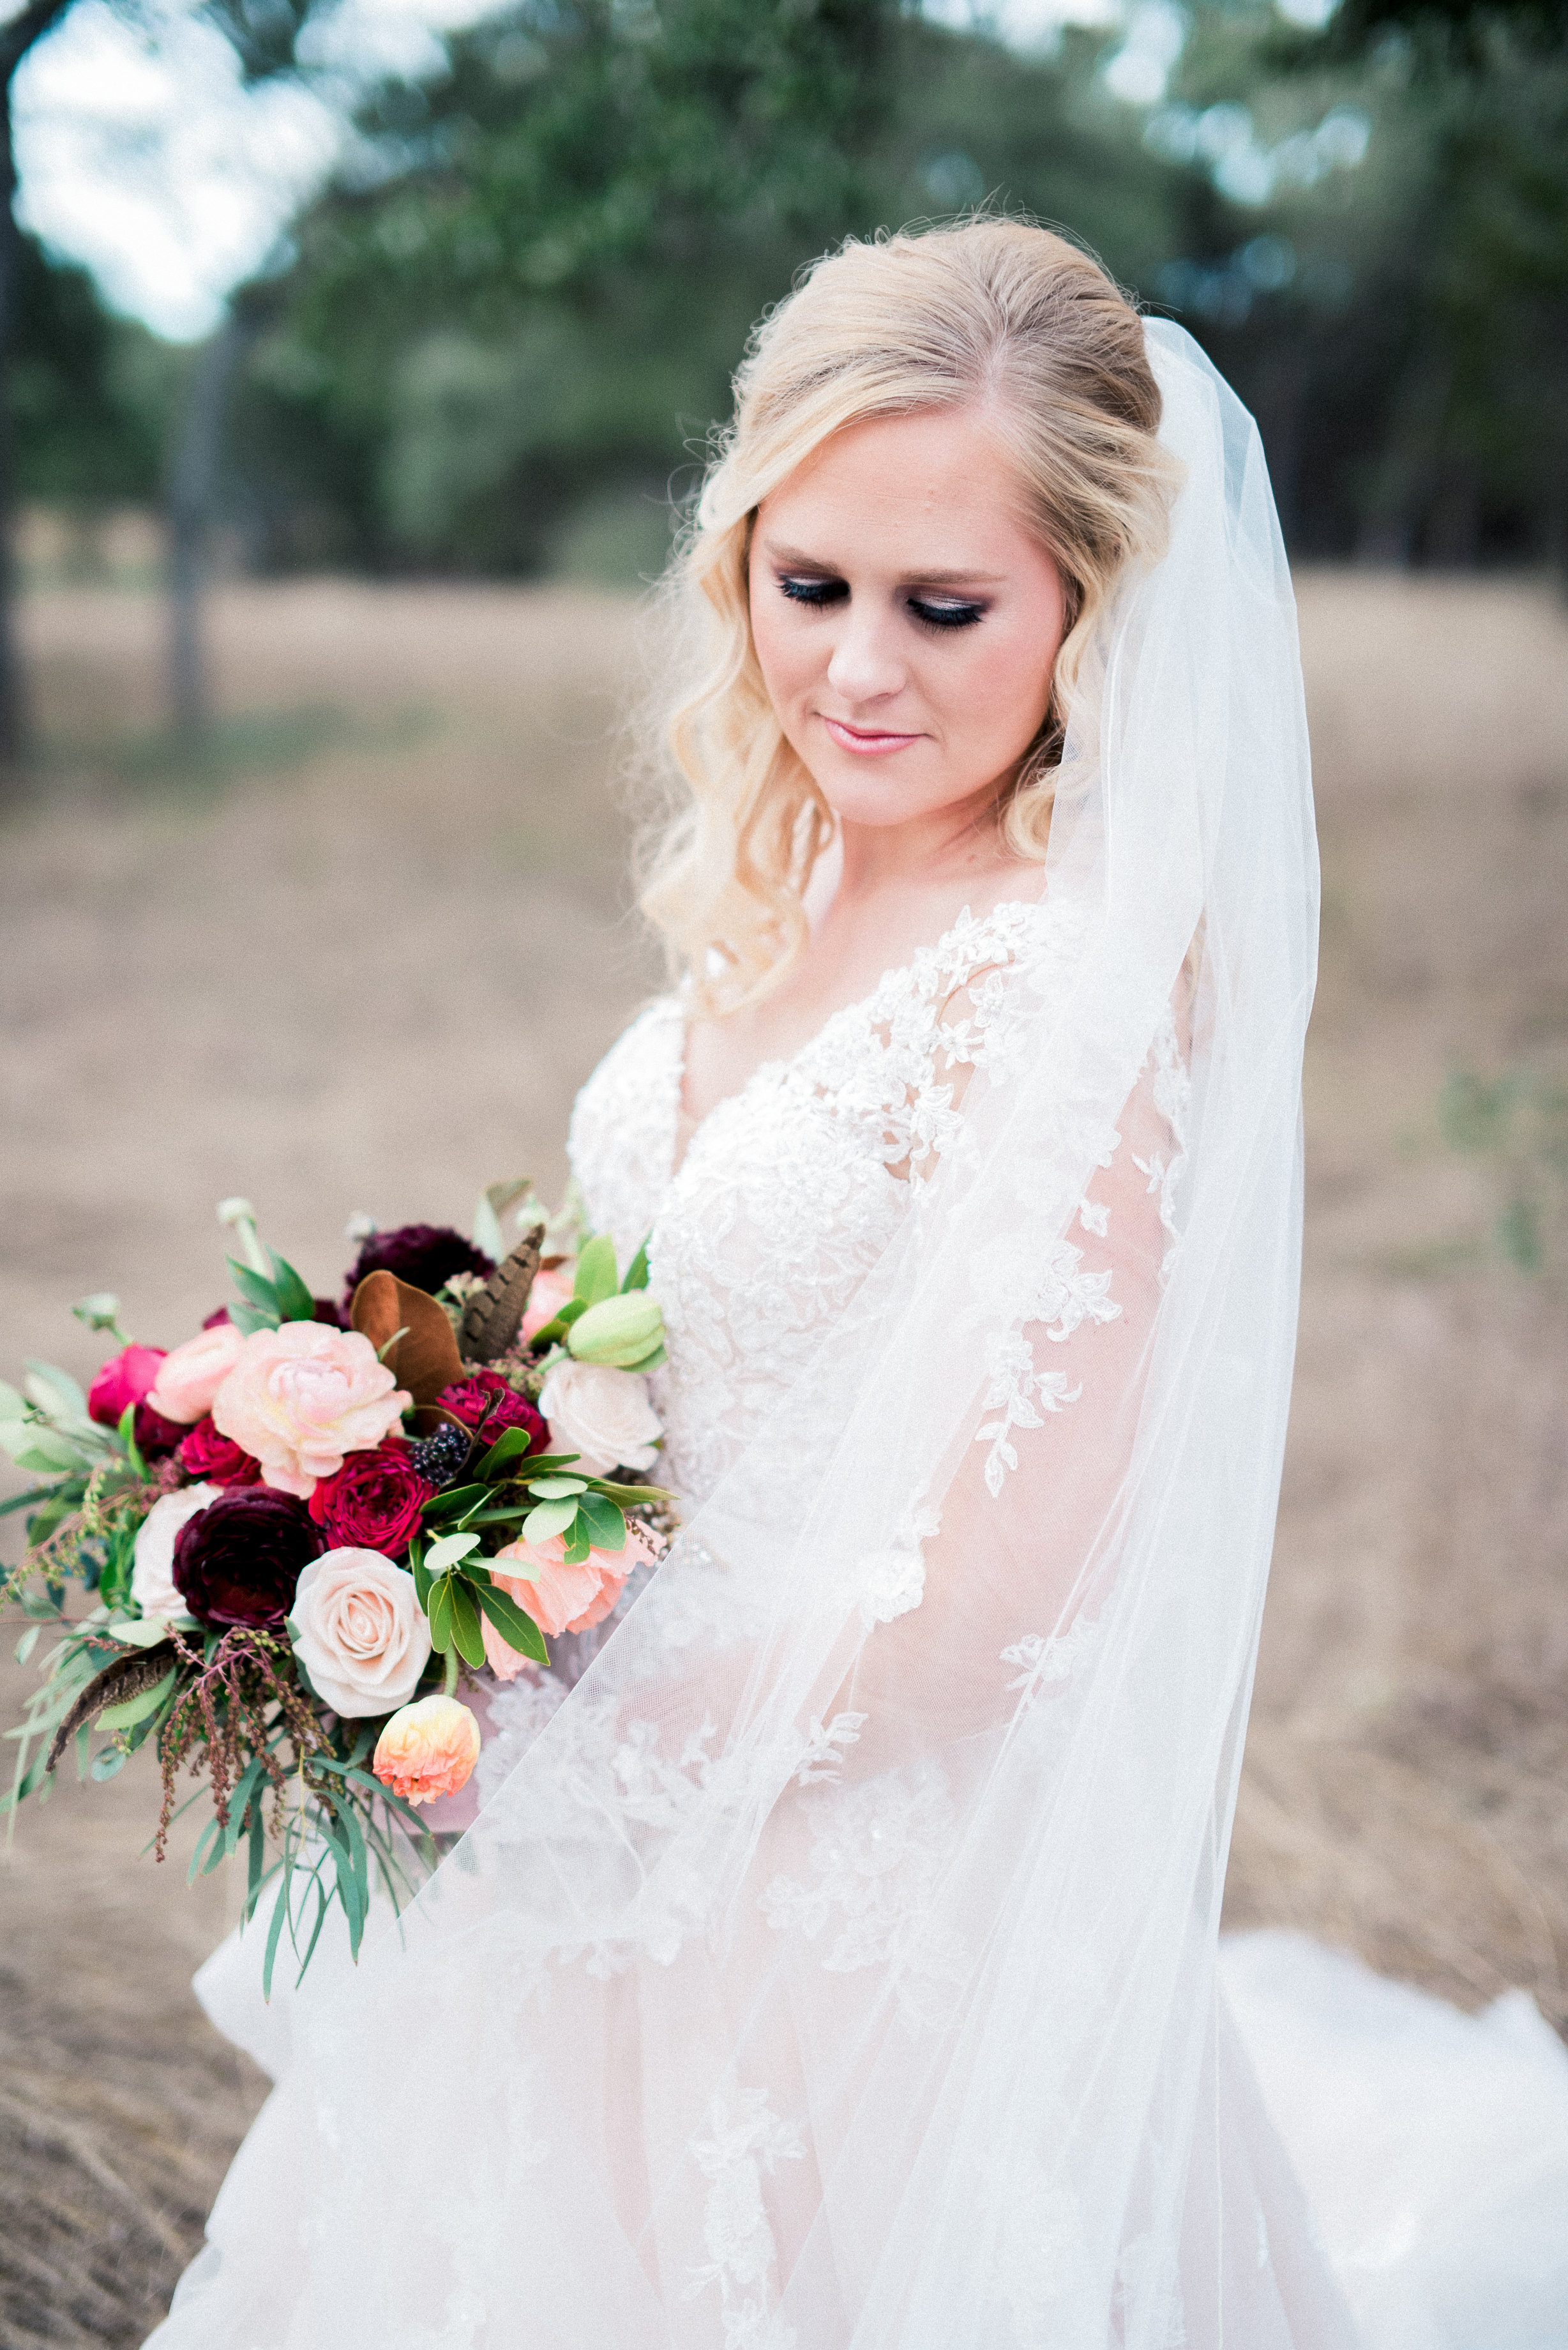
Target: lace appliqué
(895,1579)
(746,2140)
(1172,1092)
(877,1853)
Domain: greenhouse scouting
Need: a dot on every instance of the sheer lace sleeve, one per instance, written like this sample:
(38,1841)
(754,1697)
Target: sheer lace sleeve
(998,1587)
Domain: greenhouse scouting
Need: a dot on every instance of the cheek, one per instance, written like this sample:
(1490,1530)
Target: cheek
(999,695)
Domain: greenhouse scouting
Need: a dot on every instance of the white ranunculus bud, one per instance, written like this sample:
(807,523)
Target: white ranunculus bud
(152,1558)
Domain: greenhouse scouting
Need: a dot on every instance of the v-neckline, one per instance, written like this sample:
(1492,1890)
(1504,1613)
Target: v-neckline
(685,1130)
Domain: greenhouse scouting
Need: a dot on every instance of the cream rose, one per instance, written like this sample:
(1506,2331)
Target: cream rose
(189,1376)
(152,1559)
(358,1628)
(299,1399)
(603,1414)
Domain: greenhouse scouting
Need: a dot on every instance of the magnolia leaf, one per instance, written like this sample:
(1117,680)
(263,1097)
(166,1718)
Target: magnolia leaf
(446,1551)
(424,1359)
(596,1274)
(549,1518)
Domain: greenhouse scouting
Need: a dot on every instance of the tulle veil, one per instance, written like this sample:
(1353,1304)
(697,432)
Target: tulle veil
(614,2080)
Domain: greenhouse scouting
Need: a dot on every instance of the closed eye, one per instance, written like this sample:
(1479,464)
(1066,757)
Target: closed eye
(945,616)
(814,592)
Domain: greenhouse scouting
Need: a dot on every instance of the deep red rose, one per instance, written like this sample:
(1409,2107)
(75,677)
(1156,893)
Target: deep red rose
(238,1560)
(485,1400)
(155,1436)
(212,1320)
(216,1460)
(424,1255)
(375,1500)
(124,1380)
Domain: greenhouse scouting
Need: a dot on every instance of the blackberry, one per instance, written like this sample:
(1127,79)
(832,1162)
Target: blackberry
(442,1458)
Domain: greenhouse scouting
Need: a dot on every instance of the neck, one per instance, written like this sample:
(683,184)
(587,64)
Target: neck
(952,844)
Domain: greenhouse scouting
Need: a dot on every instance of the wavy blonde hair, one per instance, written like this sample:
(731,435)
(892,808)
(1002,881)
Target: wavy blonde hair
(993,311)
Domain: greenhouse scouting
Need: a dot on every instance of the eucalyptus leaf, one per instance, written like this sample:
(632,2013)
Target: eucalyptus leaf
(107,1761)
(27,1643)
(549,1518)
(555,1488)
(120,1717)
(440,1612)
(55,1391)
(446,1553)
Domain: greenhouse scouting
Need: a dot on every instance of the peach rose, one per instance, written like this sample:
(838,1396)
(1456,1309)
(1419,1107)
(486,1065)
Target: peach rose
(189,1376)
(427,1750)
(560,1598)
(358,1628)
(300,1397)
(552,1289)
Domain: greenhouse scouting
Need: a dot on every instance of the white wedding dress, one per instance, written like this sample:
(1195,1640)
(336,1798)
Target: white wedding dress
(835,1966)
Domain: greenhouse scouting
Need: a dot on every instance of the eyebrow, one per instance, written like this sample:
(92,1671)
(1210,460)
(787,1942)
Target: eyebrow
(795,558)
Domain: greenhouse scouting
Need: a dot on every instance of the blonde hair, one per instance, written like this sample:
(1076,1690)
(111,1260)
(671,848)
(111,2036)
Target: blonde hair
(995,310)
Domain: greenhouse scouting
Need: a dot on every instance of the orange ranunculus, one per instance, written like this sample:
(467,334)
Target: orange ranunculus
(427,1750)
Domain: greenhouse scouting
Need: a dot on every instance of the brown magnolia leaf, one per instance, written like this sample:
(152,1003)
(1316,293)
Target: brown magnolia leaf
(422,1354)
(494,1315)
(118,1683)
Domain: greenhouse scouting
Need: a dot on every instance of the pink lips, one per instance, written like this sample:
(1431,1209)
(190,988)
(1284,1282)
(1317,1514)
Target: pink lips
(868,742)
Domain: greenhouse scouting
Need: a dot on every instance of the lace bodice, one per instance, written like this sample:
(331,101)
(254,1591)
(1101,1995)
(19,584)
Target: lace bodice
(791,1187)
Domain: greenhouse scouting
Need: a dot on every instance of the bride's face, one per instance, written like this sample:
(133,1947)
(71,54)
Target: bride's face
(906,619)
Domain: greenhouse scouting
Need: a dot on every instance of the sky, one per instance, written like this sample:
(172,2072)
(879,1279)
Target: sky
(141,156)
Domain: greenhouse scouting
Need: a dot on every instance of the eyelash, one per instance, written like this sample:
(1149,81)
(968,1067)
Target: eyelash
(818,593)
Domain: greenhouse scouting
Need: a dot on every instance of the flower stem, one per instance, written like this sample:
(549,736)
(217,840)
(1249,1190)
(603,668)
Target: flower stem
(448,1679)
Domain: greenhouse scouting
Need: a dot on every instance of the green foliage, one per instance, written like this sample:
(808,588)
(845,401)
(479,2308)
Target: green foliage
(89,394)
(1516,1126)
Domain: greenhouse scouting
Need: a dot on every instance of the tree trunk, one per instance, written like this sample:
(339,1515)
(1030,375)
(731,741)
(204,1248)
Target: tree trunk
(190,483)
(15,39)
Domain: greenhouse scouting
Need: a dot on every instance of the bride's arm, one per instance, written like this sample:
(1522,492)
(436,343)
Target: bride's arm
(1028,1525)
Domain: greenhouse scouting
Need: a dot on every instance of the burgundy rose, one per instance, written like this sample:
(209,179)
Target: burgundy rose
(155,1436)
(485,1400)
(238,1560)
(124,1380)
(375,1500)
(327,1310)
(213,1460)
(424,1255)
(212,1320)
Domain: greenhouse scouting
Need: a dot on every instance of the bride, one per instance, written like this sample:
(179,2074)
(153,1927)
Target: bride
(837,1965)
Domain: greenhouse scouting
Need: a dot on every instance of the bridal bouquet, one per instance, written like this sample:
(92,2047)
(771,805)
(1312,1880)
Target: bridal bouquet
(310,1526)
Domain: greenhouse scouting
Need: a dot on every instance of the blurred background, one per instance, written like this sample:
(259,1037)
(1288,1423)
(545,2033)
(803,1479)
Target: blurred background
(354,359)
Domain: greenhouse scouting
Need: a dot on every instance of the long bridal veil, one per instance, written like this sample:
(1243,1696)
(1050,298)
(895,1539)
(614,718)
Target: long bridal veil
(837,1965)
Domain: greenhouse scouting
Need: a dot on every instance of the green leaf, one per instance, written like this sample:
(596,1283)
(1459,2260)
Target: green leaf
(249,1319)
(637,1278)
(577,1543)
(507,1447)
(294,1302)
(44,1447)
(549,1518)
(23,1501)
(273,1933)
(517,1628)
(465,1623)
(596,1274)
(127,1434)
(107,1761)
(459,1498)
(555,1488)
(606,1523)
(55,1391)
(439,1611)
(27,1643)
(422,1581)
(120,1717)
(446,1553)
(256,1290)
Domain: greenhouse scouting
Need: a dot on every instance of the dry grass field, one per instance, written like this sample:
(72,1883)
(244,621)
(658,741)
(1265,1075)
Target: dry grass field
(362,957)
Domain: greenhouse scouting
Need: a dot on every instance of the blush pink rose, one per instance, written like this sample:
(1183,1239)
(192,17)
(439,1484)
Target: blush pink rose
(126,1379)
(358,1628)
(189,1376)
(552,1289)
(301,1398)
(427,1750)
(560,1598)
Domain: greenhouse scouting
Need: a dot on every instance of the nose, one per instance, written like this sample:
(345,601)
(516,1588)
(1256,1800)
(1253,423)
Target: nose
(868,664)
